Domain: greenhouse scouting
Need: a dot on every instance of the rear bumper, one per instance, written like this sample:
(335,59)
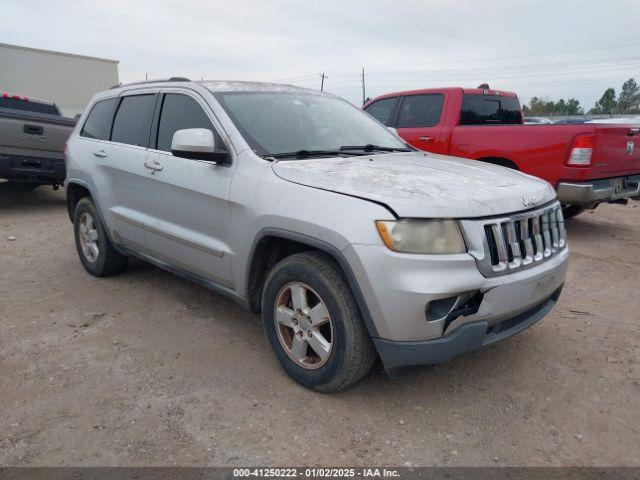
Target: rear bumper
(32,169)
(597,191)
(398,357)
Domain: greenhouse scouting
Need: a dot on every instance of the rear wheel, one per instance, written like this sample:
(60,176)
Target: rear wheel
(96,252)
(570,211)
(313,323)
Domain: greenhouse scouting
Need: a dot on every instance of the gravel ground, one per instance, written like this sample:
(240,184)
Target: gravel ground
(148,369)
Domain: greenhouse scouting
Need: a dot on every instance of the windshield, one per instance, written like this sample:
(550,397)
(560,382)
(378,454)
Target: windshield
(275,123)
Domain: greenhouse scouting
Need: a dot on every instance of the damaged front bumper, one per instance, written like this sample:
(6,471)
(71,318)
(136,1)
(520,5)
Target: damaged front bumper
(430,308)
(400,357)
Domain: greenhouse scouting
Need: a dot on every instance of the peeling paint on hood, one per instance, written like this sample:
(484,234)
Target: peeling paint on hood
(421,185)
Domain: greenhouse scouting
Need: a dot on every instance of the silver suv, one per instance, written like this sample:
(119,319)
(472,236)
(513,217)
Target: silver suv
(300,206)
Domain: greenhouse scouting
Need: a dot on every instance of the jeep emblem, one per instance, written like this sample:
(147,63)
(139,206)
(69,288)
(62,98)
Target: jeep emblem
(630,147)
(528,201)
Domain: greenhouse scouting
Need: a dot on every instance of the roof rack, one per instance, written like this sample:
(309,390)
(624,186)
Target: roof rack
(172,79)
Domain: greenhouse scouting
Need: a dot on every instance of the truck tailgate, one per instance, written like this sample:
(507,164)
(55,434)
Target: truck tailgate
(33,135)
(616,151)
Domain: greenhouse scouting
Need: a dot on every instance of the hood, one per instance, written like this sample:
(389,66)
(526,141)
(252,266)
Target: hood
(423,185)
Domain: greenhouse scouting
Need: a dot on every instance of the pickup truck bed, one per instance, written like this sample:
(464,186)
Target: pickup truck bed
(587,163)
(542,151)
(32,145)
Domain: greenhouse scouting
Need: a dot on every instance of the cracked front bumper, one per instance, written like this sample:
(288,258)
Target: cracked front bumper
(398,357)
(400,288)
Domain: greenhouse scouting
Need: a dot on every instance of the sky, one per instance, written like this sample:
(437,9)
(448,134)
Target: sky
(550,49)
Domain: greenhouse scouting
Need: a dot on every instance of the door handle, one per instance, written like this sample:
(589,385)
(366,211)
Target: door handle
(427,139)
(153,166)
(100,153)
(33,129)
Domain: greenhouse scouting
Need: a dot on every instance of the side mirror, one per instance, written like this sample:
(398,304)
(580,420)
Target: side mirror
(197,144)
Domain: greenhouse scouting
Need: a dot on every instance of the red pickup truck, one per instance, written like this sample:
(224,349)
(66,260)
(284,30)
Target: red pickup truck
(587,163)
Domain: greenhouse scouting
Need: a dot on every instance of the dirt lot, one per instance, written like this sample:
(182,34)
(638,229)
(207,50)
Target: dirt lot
(148,369)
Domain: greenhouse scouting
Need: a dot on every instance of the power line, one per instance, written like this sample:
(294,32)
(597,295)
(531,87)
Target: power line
(555,66)
(466,61)
(543,74)
(528,55)
(553,72)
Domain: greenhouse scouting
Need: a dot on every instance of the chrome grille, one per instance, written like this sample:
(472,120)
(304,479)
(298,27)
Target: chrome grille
(519,241)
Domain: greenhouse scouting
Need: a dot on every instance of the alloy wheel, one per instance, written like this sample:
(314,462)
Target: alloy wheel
(88,235)
(303,325)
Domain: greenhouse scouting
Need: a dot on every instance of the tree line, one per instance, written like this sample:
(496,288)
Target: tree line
(627,102)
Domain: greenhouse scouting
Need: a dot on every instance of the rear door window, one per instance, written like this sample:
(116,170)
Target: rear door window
(180,112)
(132,123)
(490,110)
(420,110)
(382,110)
(98,123)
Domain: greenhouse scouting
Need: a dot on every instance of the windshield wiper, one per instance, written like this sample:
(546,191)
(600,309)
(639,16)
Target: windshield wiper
(371,148)
(309,153)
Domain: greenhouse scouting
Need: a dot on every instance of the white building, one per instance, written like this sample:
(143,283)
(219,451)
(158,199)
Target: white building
(67,79)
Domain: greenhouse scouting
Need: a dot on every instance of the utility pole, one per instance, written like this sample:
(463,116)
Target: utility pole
(363,89)
(322,76)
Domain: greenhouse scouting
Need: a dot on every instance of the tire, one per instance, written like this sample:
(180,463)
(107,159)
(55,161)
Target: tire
(105,260)
(23,186)
(351,353)
(570,211)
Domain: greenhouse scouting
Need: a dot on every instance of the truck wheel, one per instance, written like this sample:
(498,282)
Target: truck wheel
(313,323)
(570,211)
(95,249)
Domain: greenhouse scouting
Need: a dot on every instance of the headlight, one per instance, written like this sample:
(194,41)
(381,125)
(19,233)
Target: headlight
(422,236)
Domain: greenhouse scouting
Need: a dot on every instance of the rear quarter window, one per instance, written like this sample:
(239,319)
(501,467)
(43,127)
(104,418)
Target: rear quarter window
(490,110)
(98,123)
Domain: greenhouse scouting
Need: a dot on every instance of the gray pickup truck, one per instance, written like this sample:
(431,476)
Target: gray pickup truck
(32,138)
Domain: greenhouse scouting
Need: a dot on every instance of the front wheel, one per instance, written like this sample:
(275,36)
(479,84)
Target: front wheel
(313,324)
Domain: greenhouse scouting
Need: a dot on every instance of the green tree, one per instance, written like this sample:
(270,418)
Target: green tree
(568,107)
(538,106)
(629,98)
(607,103)
(574,107)
(560,107)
